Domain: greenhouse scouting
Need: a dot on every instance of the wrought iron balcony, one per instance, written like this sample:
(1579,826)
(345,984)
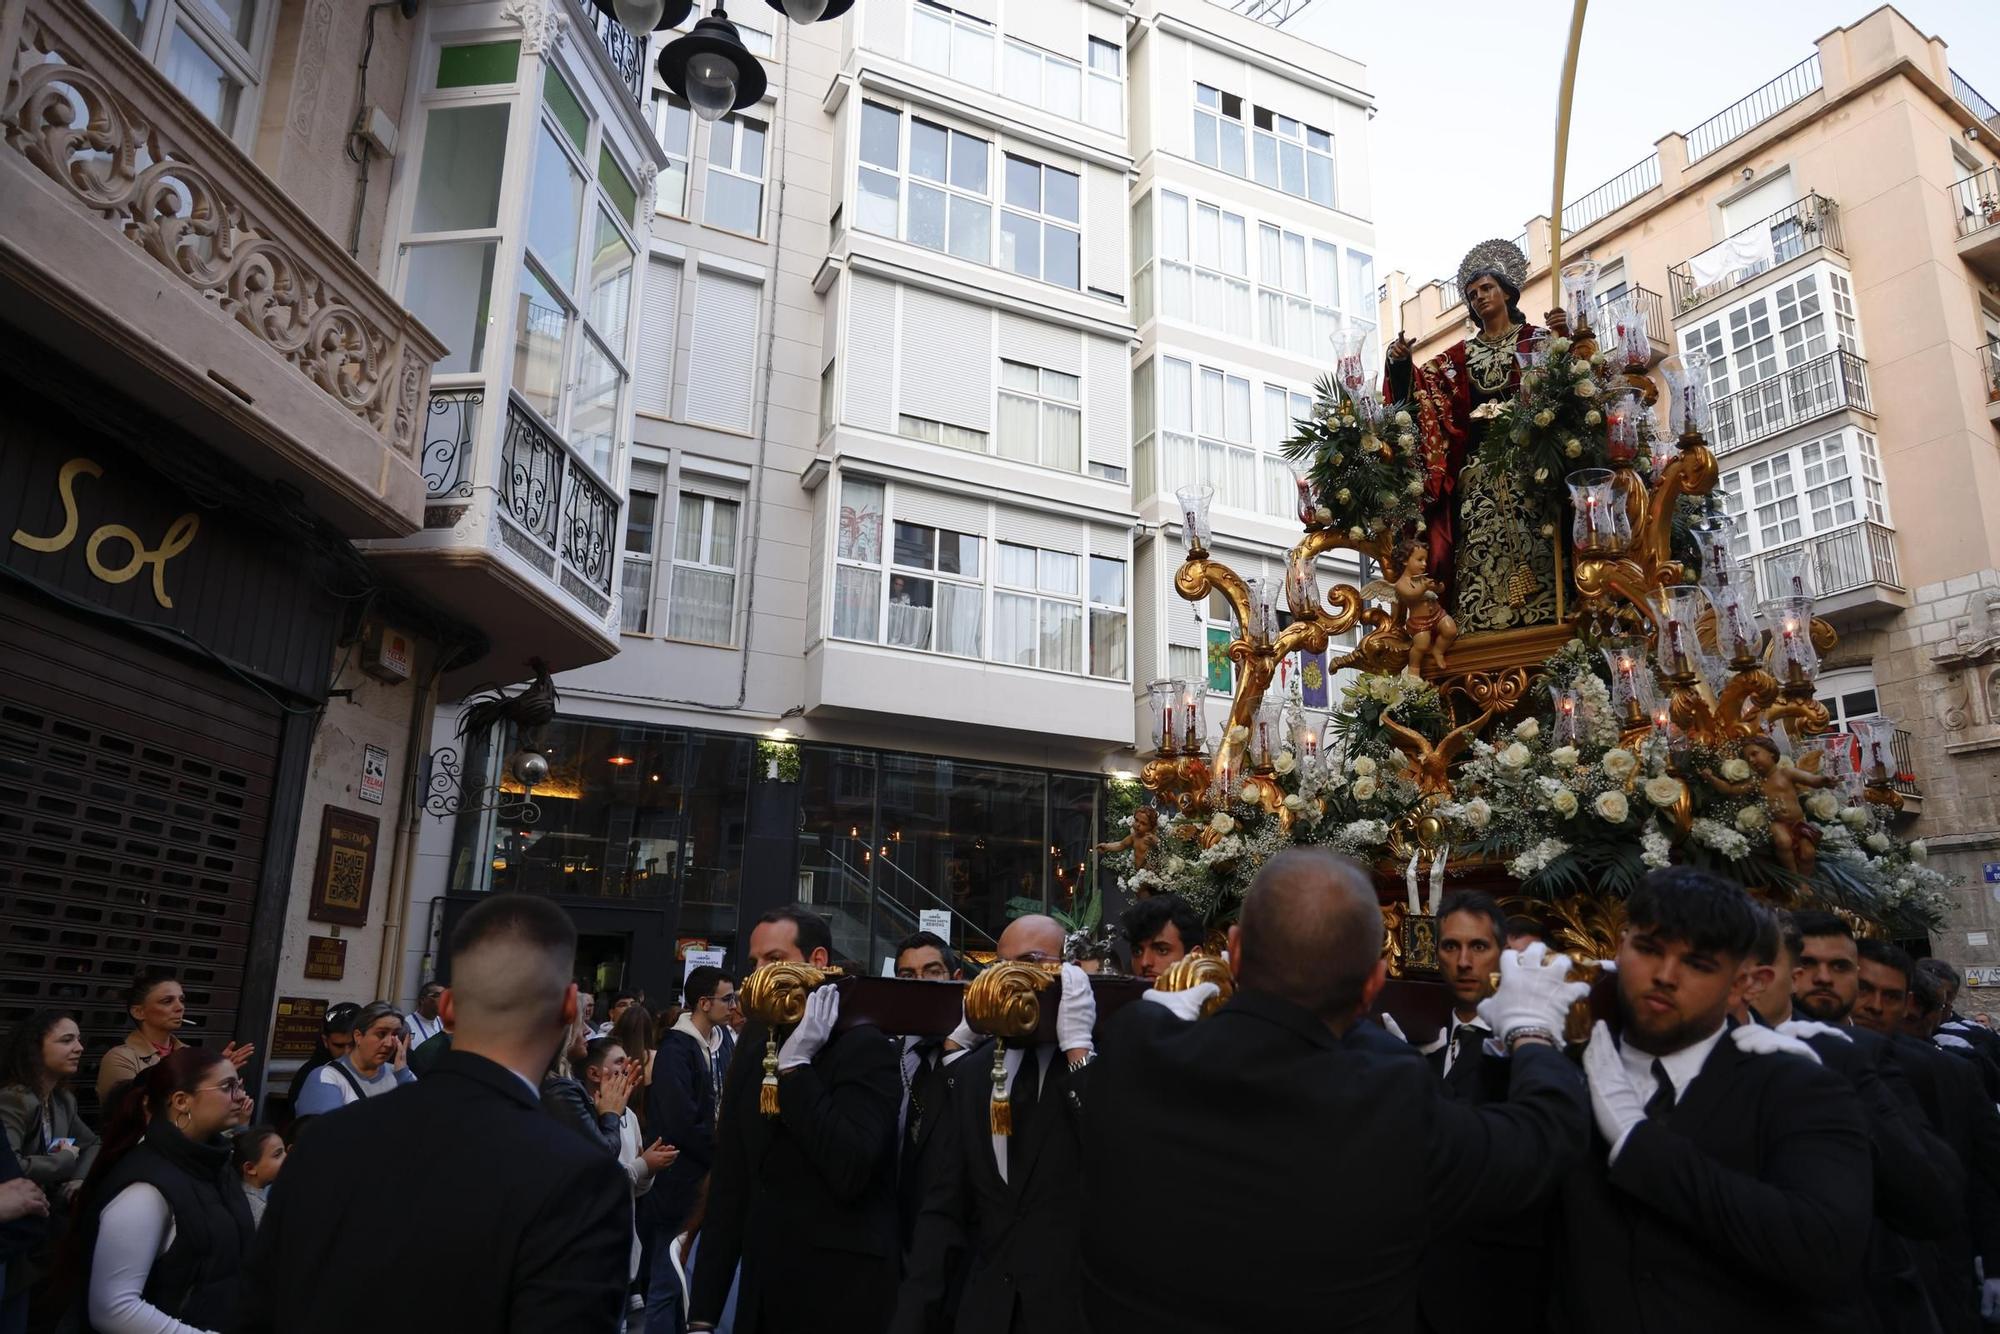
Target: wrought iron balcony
(1794,230)
(141,237)
(1989,366)
(1826,384)
(1977,200)
(553,513)
(626,52)
(1858,556)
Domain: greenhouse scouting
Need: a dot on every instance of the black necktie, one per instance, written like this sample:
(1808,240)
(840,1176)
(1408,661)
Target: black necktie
(1661,1105)
(1026,1091)
(1465,1042)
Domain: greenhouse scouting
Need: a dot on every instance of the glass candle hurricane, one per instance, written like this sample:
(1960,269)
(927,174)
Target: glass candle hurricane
(1579,284)
(1267,733)
(1191,697)
(1621,427)
(1601,524)
(1302,588)
(1632,693)
(1875,737)
(1794,661)
(1568,727)
(1790,574)
(1196,499)
(1634,345)
(1693,410)
(1308,506)
(1348,342)
(1735,627)
(1678,648)
(1265,598)
(1162,714)
(1715,536)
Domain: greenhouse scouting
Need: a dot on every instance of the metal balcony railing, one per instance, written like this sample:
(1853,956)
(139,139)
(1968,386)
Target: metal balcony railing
(1989,363)
(1746,114)
(1969,95)
(563,514)
(1613,195)
(1825,384)
(1651,304)
(1906,768)
(1978,200)
(449,431)
(626,52)
(1844,559)
(1792,231)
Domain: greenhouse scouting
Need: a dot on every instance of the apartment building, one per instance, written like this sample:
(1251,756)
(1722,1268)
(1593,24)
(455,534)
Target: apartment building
(316,327)
(1829,243)
(927,340)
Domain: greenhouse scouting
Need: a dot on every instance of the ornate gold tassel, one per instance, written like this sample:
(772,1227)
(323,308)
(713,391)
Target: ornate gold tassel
(767,1095)
(1000,1111)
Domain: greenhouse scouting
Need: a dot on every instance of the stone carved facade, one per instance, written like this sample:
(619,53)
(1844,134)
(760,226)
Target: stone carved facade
(1969,705)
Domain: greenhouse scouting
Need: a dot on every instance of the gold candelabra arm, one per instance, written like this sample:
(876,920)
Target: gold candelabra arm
(1691,472)
(1801,718)
(1199,576)
(1755,689)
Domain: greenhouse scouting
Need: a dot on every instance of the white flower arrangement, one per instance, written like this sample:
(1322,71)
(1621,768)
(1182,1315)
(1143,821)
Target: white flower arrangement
(1563,802)
(1664,791)
(1586,389)
(1247,794)
(1822,806)
(1564,757)
(1478,813)
(1611,806)
(1720,838)
(1143,881)
(1544,417)
(1920,850)
(1537,859)
(1655,852)
(1363,788)
(1527,729)
(1751,819)
(1879,842)
(1222,822)
(1284,763)
(1856,818)
(1515,756)
(1363,767)
(1736,769)
(1620,764)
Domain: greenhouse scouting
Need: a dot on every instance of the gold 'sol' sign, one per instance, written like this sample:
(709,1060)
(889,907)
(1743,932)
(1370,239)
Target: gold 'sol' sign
(179,536)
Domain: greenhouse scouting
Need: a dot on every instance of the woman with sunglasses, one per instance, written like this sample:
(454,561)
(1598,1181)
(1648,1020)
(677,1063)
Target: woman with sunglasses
(164,1227)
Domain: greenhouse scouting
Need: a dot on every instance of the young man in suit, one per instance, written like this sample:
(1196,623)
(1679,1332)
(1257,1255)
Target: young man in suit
(1729,1184)
(1471,933)
(805,1199)
(1344,1158)
(929,1072)
(1008,1208)
(532,1222)
(681,1107)
(1161,930)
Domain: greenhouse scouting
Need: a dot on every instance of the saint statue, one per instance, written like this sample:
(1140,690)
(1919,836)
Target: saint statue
(1452,386)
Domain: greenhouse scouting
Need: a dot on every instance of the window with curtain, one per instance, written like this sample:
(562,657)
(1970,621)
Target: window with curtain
(642,513)
(1042,79)
(857,575)
(1293,157)
(1282,408)
(702,603)
(211,50)
(941,608)
(734,197)
(878,200)
(1104,97)
(673,125)
(1040,420)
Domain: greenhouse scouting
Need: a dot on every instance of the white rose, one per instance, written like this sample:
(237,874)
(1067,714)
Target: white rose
(1563,757)
(1541,474)
(1878,842)
(1544,417)
(1364,788)
(1572,449)
(1416,486)
(1920,850)
(1285,762)
(1855,818)
(1407,439)
(1321,514)
(1363,766)
(1247,794)
(1663,791)
(1586,389)
(1175,866)
(1222,823)
(1611,807)
(1355,534)
(1528,729)
(1823,806)
(1621,764)
(1736,770)
(1343,495)
(1557,346)
(1751,818)
(1402,419)
(1592,417)
(1477,813)
(1563,802)
(1294,802)
(1514,757)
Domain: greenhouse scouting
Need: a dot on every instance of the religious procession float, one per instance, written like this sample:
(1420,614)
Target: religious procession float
(1561,674)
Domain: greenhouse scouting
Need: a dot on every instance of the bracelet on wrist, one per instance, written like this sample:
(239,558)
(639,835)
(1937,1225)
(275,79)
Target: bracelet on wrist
(1516,1036)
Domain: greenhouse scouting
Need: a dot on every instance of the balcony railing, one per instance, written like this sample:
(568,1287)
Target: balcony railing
(626,52)
(1989,363)
(1826,384)
(1740,117)
(1978,199)
(1793,230)
(1613,195)
(1969,95)
(1651,304)
(449,432)
(554,513)
(1845,559)
(1906,768)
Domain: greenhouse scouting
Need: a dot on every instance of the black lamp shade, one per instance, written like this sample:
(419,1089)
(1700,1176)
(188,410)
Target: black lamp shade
(714,35)
(672,16)
(834,8)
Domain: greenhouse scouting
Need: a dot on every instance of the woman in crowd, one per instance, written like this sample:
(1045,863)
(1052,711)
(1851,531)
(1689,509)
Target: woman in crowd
(596,1115)
(604,1060)
(633,1033)
(375,1064)
(163,1227)
(37,1109)
(255,1156)
(158,1008)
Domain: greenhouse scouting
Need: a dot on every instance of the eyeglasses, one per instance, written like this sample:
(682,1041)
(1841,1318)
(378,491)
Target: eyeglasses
(229,1087)
(729,1000)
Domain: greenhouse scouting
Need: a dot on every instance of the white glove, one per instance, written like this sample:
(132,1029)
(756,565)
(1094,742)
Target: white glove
(1613,1101)
(1534,992)
(1076,1018)
(815,1027)
(1757,1040)
(1947,1040)
(1807,1028)
(1182,1004)
(1389,1022)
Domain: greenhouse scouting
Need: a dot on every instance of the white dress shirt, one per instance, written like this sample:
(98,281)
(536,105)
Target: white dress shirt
(1682,1068)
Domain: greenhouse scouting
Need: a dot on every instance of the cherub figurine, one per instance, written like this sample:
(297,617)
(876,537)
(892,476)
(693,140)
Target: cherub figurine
(1415,594)
(1142,840)
(1794,839)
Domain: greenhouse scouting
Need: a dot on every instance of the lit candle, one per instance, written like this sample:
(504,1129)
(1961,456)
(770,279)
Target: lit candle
(1675,653)
(1311,744)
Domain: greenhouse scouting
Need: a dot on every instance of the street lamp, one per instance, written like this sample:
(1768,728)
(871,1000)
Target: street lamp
(711,69)
(642,18)
(811,11)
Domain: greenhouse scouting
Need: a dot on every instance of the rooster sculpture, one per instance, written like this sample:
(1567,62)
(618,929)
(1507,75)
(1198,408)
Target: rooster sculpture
(530,709)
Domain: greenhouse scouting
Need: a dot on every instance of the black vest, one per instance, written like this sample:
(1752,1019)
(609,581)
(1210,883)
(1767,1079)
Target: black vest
(195,1279)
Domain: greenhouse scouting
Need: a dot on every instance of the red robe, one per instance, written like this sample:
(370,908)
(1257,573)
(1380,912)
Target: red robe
(1443,399)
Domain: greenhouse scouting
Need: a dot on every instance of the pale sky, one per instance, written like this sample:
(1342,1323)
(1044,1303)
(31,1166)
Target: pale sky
(1463,141)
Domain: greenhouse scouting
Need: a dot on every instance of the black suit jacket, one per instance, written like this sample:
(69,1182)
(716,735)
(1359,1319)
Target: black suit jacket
(524,1224)
(805,1200)
(1748,1209)
(1956,1107)
(680,1109)
(1016,1236)
(1340,1159)
(923,1111)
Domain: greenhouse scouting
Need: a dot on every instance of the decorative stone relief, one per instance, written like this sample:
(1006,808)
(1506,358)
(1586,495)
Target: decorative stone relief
(542,25)
(318,26)
(1969,704)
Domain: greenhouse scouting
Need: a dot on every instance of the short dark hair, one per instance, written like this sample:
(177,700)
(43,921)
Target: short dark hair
(1888,956)
(814,933)
(1507,285)
(1815,922)
(595,1052)
(248,1146)
(1946,975)
(340,1018)
(617,996)
(1520,924)
(929,940)
(1480,904)
(1928,990)
(1765,951)
(1149,916)
(533,919)
(1704,911)
(1311,932)
(142,985)
(702,982)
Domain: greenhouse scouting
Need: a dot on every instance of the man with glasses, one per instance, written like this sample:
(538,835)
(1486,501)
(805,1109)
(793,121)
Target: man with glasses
(681,1109)
(425,1022)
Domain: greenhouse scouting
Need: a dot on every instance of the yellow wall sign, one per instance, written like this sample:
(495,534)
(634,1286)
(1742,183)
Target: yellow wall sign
(179,536)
